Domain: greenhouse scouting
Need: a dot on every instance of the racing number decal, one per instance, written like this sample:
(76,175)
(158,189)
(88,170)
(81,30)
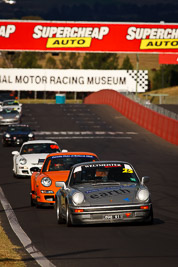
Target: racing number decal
(127,170)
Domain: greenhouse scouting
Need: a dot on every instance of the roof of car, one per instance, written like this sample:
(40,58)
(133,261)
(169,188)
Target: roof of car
(18,125)
(39,142)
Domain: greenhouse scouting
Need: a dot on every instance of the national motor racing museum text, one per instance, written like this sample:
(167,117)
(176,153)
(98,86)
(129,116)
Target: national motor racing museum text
(63,80)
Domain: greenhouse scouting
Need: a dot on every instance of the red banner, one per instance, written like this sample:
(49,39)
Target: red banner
(168,58)
(88,37)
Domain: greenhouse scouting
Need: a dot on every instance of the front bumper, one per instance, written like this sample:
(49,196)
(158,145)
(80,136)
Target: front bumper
(110,214)
(17,141)
(24,171)
(43,200)
(46,199)
(9,121)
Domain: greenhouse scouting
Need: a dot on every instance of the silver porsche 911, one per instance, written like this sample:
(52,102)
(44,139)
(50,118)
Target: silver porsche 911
(103,192)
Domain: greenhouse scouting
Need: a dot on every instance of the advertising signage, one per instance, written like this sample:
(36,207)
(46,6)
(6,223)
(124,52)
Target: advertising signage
(168,59)
(73,80)
(52,36)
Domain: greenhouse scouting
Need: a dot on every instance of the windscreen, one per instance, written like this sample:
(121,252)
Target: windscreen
(40,148)
(65,162)
(10,103)
(118,173)
(19,129)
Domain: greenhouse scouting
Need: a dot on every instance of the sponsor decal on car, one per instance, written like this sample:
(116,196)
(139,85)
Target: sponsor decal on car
(110,188)
(110,193)
(72,156)
(106,165)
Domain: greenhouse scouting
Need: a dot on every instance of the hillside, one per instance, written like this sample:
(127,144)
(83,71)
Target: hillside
(171,98)
(148,62)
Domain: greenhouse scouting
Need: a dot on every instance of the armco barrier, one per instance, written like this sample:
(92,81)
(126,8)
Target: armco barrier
(165,127)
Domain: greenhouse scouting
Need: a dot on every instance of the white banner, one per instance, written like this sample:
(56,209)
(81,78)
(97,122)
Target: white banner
(73,80)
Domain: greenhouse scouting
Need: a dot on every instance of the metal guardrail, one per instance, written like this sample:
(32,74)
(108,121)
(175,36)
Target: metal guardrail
(151,106)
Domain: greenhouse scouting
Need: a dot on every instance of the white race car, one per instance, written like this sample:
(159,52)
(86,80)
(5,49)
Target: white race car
(12,104)
(32,154)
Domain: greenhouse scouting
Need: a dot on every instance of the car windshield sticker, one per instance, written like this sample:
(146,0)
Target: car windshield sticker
(127,170)
(54,147)
(127,166)
(72,156)
(106,165)
(133,179)
(78,169)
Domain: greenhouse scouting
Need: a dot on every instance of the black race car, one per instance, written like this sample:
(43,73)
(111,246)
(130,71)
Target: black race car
(17,134)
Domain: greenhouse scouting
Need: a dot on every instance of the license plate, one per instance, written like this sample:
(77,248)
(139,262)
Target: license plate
(50,199)
(113,217)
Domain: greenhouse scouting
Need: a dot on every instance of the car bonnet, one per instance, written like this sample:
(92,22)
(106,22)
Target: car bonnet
(35,159)
(109,194)
(58,176)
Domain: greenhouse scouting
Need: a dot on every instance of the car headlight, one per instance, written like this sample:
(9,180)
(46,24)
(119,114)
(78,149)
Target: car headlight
(143,195)
(78,198)
(46,181)
(30,135)
(22,161)
(17,116)
(7,135)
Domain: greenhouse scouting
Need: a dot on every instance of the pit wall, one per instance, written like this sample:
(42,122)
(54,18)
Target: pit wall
(154,122)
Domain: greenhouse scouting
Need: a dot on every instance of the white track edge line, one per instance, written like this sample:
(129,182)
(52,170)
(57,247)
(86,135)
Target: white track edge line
(24,239)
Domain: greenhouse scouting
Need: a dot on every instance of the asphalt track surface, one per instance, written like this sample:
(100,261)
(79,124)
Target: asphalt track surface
(100,129)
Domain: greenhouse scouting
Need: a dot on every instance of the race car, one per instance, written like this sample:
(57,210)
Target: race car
(12,104)
(103,192)
(9,116)
(32,154)
(56,168)
(17,135)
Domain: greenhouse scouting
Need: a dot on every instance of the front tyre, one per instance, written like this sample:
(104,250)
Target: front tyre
(149,220)
(58,213)
(68,217)
(32,202)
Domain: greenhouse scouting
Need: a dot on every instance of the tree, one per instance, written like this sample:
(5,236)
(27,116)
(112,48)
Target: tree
(166,76)
(70,60)
(26,60)
(105,61)
(51,63)
(127,65)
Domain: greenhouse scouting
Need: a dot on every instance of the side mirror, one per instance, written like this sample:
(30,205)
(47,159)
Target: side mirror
(15,153)
(145,179)
(35,169)
(61,184)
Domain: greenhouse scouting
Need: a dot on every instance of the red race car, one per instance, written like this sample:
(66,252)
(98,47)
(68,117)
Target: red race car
(56,168)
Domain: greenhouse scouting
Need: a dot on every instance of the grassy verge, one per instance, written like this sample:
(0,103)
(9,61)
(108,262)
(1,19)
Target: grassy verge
(9,256)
